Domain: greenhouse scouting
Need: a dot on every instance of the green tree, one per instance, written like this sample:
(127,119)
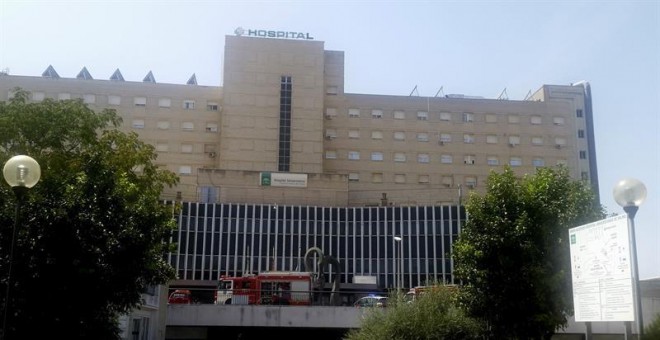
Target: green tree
(512,255)
(92,232)
(433,316)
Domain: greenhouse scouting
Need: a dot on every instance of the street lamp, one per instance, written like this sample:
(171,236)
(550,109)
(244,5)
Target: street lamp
(21,173)
(399,279)
(630,194)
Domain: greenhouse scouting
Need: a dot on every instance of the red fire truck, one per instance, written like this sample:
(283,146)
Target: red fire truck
(270,288)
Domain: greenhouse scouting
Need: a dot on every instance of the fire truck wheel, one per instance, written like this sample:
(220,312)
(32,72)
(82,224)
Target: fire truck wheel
(228,302)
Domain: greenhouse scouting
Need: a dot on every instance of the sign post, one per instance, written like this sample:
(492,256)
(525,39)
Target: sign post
(601,271)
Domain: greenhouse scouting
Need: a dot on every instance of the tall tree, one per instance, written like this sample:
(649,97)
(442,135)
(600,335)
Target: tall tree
(92,232)
(512,255)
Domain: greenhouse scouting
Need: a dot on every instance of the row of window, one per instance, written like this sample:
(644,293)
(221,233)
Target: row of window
(165,125)
(401,157)
(208,149)
(187,104)
(443,138)
(466,117)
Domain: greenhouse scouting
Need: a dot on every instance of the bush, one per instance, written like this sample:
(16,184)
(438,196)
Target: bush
(652,331)
(434,315)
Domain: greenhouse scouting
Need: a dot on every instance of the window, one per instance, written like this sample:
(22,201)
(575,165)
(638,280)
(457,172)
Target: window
(376,134)
(560,141)
(471,182)
(468,117)
(377,177)
(377,156)
(64,96)
(163,125)
(579,113)
(354,134)
(162,147)
(330,134)
(562,162)
(585,175)
(422,115)
(423,179)
(491,139)
(330,112)
(423,158)
(208,194)
(445,116)
(164,102)
(353,155)
(114,100)
(209,148)
(187,126)
(399,157)
(377,114)
(354,113)
(353,177)
(514,140)
(399,178)
(89,99)
(138,124)
(514,119)
(399,115)
(331,155)
(447,181)
(580,133)
(399,135)
(491,118)
(186,148)
(38,96)
(446,159)
(492,160)
(212,106)
(558,120)
(537,140)
(583,154)
(468,159)
(422,137)
(185,170)
(536,120)
(189,104)
(331,90)
(445,138)
(140,101)
(211,127)
(515,161)
(538,162)
(468,138)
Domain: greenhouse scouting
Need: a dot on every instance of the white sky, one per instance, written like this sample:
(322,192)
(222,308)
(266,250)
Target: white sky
(469,47)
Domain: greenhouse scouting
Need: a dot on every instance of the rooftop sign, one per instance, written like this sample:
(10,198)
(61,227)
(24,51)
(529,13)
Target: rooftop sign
(272,34)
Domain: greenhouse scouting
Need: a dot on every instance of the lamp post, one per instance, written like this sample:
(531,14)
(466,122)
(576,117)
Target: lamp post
(399,283)
(21,173)
(630,193)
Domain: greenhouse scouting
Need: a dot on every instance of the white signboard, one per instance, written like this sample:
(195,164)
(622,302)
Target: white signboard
(601,268)
(277,179)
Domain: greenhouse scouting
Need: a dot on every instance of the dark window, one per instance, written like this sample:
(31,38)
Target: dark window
(583,154)
(579,113)
(284,153)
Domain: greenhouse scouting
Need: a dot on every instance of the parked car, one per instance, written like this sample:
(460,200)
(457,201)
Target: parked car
(180,296)
(371,301)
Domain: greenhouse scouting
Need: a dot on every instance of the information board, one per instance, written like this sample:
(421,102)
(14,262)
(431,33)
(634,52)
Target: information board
(601,271)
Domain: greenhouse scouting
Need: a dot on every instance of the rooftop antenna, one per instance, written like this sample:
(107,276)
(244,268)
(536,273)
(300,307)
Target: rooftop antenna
(528,96)
(414,91)
(503,95)
(440,92)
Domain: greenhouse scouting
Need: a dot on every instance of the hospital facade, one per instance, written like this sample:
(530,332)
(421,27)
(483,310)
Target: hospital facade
(279,158)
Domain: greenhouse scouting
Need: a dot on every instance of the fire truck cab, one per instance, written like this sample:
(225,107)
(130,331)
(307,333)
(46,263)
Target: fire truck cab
(270,288)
